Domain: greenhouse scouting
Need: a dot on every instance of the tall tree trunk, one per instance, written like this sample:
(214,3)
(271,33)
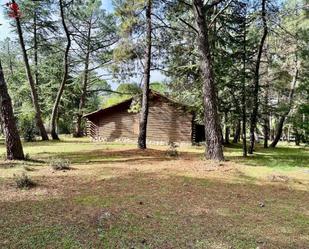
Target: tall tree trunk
(227,130)
(278,131)
(237,132)
(82,100)
(297,137)
(289,134)
(34,94)
(10,60)
(1,126)
(290,103)
(254,114)
(243,95)
(214,150)
(35,46)
(54,115)
(145,99)
(13,144)
(266,124)
(227,135)
(266,131)
(271,127)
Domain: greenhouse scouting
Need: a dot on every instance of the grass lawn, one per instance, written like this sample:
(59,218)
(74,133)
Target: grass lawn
(118,197)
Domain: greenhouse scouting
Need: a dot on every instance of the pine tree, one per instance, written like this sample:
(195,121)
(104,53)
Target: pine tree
(12,140)
(93,32)
(55,110)
(35,99)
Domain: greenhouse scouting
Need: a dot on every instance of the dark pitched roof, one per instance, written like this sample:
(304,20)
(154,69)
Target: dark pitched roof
(127,103)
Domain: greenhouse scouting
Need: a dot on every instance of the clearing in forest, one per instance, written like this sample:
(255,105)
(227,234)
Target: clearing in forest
(115,196)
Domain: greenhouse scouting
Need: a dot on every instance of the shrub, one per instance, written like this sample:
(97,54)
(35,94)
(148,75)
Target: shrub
(65,126)
(27,127)
(60,164)
(172,150)
(3,156)
(27,157)
(24,182)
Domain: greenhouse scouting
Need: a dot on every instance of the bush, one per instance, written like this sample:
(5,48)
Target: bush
(24,182)
(3,156)
(65,126)
(60,164)
(27,127)
(172,150)
(27,157)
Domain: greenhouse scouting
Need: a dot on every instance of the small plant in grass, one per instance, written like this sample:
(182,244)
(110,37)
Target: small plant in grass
(23,181)
(3,156)
(27,157)
(27,126)
(172,150)
(60,164)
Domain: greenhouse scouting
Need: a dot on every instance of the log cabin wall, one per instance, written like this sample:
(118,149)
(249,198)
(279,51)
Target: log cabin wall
(117,126)
(167,122)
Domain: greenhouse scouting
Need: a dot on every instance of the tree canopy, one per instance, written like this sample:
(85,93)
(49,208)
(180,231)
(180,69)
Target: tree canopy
(241,65)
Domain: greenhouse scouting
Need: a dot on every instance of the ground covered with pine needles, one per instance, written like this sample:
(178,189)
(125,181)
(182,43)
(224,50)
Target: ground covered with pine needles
(114,196)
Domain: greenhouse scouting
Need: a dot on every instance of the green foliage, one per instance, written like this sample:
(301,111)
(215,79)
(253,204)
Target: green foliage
(116,47)
(136,105)
(122,93)
(23,181)
(160,87)
(27,126)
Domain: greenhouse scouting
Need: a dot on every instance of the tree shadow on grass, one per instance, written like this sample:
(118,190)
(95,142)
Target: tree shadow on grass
(120,156)
(7,164)
(273,157)
(175,210)
(40,143)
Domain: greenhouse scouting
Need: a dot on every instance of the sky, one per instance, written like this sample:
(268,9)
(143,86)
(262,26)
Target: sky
(4,25)
(5,31)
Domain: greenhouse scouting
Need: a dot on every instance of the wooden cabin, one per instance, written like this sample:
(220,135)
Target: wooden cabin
(168,121)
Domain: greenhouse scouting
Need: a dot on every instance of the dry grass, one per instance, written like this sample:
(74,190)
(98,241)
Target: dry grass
(118,197)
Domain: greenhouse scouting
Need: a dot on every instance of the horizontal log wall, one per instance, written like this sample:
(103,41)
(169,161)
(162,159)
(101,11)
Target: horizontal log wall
(118,125)
(166,123)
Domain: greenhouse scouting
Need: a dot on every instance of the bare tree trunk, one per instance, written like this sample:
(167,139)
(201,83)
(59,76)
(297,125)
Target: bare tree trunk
(290,103)
(237,132)
(54,115)
(227,130)
(266,131)
(14,147)
(10,60)
(243,95)
(214,148)
(82,100)
(35,46)
(227,135)
(266,124)
(1,126)
(297,137)
(254,115)
(271,127)
(34,94)
(145,99)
